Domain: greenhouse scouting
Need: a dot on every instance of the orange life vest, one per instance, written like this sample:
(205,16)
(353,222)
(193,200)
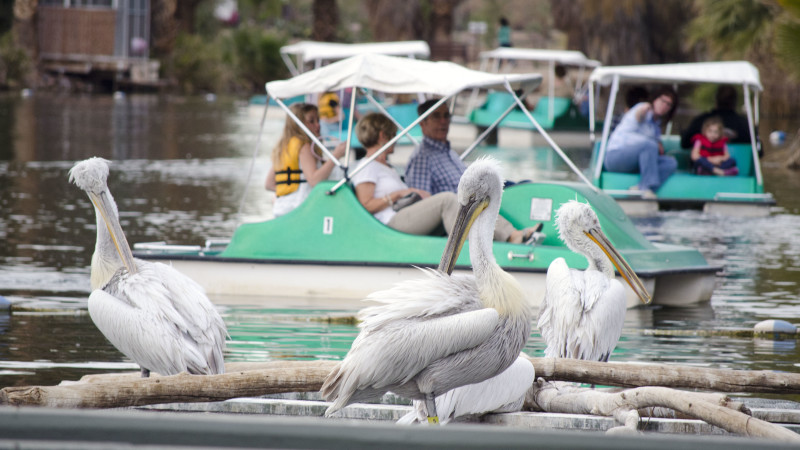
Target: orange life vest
(288,174)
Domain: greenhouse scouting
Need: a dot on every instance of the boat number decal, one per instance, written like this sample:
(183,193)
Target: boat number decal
(327,225)
(541,209)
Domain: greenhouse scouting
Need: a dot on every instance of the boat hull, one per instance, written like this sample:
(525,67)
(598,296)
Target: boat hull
(337,282)
(331,247)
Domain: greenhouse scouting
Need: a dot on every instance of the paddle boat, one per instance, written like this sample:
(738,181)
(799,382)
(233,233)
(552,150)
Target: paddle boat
(742,194)
(302,55)
(330,247)
(552,112)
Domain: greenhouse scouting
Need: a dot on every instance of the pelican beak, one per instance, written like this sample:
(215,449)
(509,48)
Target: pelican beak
(599,238)
(103,206)
(466,216)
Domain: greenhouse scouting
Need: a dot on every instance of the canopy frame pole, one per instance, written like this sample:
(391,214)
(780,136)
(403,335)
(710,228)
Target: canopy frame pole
(549,140)
(290,64)
(490,128)
(551,90)
(591,114)
(612,98)
(308,132)
(749,109)
(391,142)
(380,107)
(256,149)
(353,93)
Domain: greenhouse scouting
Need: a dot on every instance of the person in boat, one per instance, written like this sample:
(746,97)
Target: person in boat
(329,114)
(710,155)
(434,167)
(504,33)
(383,193)
(635,146)
(737,129)
(297,166)
(633,96)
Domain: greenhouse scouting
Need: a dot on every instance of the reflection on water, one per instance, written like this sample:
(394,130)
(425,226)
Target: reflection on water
(178,173)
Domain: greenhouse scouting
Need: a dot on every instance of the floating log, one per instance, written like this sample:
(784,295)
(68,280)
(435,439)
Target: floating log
(623,406)
(255,379)
(636,375)
(299,376)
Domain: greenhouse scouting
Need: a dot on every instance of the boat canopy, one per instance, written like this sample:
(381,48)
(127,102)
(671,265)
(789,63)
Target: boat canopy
(722,72)
(319,52)
(395,75)
(740,73)
(565,57)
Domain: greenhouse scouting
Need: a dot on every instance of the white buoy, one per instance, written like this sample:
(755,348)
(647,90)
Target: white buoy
(777,138)
(775,326)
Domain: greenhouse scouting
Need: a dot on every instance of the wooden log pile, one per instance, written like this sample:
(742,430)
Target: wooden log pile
(548,393)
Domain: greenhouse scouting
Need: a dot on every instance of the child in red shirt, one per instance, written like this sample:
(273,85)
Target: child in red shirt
(710,154)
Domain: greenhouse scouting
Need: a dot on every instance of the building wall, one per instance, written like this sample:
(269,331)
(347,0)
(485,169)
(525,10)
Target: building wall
(76,31)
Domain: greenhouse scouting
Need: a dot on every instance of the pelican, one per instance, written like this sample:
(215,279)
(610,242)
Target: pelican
(152,313)
(502,393)
(582,313)
(435,334)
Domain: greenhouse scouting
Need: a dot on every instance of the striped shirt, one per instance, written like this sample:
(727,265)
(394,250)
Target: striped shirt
(434,167)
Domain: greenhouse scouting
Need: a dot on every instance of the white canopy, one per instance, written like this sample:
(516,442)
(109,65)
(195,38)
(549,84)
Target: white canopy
(311,50)
(726,72)
(394,75)
(566,57)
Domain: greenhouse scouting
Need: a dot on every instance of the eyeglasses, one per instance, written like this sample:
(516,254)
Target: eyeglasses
(665,101)
(440,116)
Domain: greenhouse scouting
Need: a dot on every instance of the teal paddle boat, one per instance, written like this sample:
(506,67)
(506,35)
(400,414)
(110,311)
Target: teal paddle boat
(741,194)
(330,247)
(552,111)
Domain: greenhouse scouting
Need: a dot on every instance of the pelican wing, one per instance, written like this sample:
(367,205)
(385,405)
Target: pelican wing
(504,392)
(169,305)
(204,324)
(394,353)
(434,295)
(580,316)
(141,336)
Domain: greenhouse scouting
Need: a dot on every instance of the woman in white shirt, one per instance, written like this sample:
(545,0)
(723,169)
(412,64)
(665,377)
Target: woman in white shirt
(378,186)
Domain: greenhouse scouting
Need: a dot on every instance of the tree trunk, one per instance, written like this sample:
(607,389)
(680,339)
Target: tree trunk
(390,20)
(25,32)
(326,21)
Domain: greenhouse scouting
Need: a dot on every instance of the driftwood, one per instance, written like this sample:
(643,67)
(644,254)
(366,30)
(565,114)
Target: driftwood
(299,376)
(254,379)
(635,375)
(715,409)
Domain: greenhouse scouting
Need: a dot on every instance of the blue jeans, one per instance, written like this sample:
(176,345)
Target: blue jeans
(641,155)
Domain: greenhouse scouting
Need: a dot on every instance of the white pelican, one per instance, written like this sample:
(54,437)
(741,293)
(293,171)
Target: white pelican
(152,313)
(582,313)
(437,333)
(502,393)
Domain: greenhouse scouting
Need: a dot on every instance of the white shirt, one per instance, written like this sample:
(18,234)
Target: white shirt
(386,181)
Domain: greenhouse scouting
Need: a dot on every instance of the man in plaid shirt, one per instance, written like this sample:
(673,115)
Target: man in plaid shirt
(435,167)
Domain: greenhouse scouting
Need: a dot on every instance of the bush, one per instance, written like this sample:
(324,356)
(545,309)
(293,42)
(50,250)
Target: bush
(196,65)
(255,56)
(14,63)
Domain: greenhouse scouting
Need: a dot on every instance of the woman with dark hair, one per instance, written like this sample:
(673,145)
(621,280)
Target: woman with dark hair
(635,145)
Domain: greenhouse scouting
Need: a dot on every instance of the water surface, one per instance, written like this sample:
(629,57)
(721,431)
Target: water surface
(180,168)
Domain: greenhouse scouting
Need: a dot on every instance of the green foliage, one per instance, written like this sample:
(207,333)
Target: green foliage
(731,28)
(255,55)
(787,45)
(197,65)
(14,63)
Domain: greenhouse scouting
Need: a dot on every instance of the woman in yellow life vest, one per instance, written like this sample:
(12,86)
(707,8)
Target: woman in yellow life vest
(296,165)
